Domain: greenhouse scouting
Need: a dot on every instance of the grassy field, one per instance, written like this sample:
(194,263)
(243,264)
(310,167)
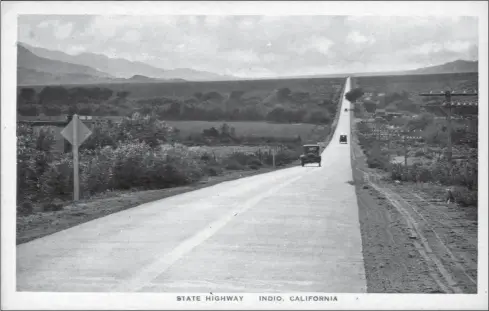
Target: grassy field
(247,128)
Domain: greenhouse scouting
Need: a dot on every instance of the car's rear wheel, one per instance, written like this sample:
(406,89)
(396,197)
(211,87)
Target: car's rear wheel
(302,163)
(319,164)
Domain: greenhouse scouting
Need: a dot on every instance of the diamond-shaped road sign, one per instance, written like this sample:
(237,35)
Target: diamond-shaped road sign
(82,130)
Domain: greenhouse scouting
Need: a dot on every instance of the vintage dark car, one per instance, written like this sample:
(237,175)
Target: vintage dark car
(343,139)
(312,154)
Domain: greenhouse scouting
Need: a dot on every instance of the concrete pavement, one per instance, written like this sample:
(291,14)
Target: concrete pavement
(292,230)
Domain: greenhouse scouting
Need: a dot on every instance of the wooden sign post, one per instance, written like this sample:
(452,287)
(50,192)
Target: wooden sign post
(76,132)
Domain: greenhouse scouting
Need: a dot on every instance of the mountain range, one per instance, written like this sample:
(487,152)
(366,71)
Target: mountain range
(39,66)
(451,67)
(457,66)
(42,66)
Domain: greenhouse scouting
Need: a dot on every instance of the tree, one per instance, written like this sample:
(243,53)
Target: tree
(54,95)
(27,94)
(283,93)
(224,129)
(421,122)
(28,110)
(354,94)
(370,106)
(212,132)
(123,94)
(51,110)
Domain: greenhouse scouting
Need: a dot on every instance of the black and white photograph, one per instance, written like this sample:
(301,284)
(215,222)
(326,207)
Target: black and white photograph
(244,155)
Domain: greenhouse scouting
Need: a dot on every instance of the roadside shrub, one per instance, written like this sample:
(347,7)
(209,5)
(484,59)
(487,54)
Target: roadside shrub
(241,158)
(255,162)
(233,165)
(419,153)
(424,174)
(98,174)
(25,208)
(58,178)
(285,157)
(254,167)
(213,170)
(375,163)
(128,164)
(465,197)
(33,158)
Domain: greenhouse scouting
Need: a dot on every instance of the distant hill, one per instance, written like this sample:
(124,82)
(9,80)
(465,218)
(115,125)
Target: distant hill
(452,67)
(141,78)
(33,69)
(458,66)
(123,68)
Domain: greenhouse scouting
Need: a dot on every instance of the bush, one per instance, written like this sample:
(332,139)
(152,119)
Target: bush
(465,197)
(25,208)
(213,171)
(254,167)
(98,173)
(242,158)
(254,162)
(419,153)
(58,178)
(232,164)
(375,163)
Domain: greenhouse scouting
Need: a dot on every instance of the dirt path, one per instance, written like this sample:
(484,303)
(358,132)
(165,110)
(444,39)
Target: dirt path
(413,243)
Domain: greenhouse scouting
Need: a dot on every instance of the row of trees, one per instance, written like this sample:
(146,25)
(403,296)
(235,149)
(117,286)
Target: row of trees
(66,96)
(57,100)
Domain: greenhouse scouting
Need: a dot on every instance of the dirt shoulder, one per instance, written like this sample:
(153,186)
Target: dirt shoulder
(413,242)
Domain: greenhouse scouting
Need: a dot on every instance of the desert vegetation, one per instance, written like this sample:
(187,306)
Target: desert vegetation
(141,153)
(426,157)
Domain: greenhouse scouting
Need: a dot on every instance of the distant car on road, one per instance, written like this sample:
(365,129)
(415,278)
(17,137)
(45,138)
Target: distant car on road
(343,139)
(346,109)
(312,154)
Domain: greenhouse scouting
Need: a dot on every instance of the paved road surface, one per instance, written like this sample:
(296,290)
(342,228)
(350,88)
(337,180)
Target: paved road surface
(293,230)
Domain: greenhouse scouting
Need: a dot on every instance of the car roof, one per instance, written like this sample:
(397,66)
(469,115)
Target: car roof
(311,145)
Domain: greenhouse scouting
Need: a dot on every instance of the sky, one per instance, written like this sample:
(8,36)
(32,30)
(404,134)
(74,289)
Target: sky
(261,46)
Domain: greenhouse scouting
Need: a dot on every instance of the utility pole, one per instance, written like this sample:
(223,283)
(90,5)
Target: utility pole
(447,107)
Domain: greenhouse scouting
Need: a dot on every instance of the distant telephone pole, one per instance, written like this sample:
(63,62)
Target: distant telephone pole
(447,107)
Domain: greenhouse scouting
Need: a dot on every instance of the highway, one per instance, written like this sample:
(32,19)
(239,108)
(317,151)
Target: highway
(292,230)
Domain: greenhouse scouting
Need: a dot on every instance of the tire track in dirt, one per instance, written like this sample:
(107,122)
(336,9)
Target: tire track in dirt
(424,248)
(439,254)
(392,262)
(457,262)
